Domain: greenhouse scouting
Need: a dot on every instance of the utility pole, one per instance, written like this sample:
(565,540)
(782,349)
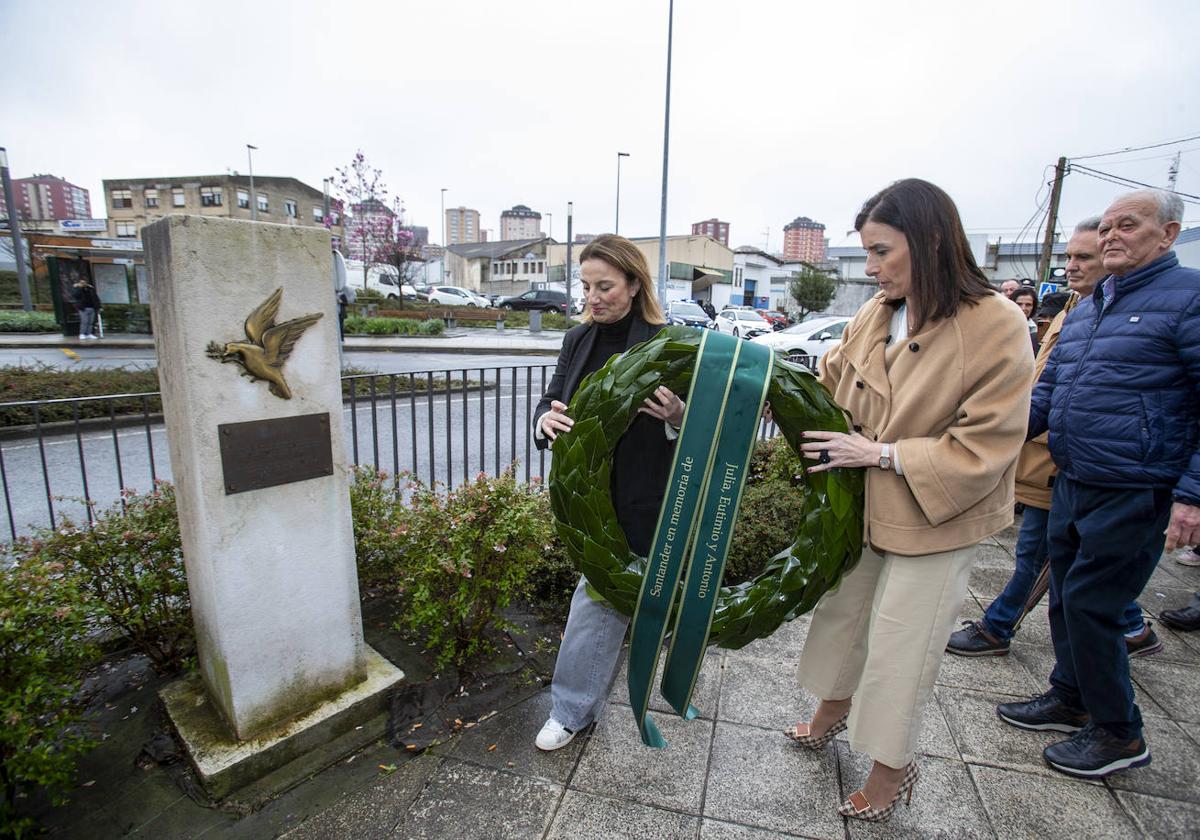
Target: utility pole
(570,223)
(14,228)
(1173,172)
(617,222)
(1051,220)
(662,220)
(253,196)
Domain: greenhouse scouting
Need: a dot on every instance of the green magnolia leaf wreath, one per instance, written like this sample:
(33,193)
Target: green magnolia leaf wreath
(606,403)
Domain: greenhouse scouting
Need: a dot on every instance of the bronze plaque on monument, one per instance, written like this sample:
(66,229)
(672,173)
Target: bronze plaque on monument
(266,453)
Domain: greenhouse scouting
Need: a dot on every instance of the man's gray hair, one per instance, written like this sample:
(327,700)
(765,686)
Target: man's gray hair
(1170,206)
(1089,225)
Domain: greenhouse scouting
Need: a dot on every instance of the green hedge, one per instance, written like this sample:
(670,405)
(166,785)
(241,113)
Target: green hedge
(393,326)
(18,321)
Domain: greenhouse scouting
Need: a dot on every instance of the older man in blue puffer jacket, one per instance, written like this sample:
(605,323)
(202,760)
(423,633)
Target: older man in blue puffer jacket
(1121,398)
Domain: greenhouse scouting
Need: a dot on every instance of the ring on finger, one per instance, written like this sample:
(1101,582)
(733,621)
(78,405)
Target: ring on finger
(824,458)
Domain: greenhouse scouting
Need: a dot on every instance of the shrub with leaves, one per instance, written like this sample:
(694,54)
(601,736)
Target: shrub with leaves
(44,621)
(554,577)
(377,511)
(129,565)
(467,554)
(393,326)
(771,513)
(27,322)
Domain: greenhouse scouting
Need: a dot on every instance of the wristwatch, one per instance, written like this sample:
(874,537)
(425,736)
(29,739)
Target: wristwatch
(885,457)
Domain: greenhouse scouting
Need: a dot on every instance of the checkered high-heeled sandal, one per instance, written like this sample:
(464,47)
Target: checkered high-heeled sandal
(857,807)
(800,733)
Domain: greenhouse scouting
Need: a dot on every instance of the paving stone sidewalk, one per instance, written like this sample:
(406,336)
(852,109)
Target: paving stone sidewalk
(731,775)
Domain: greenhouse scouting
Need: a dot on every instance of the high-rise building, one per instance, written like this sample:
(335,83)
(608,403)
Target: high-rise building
(804,239)
(520,223)
(462,226)
(370,221)
(46,197)
(715,228)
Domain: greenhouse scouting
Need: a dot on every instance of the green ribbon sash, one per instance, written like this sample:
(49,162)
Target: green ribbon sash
(719,424)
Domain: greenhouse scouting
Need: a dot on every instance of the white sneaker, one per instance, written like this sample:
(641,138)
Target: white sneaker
(553,736)
(82,337)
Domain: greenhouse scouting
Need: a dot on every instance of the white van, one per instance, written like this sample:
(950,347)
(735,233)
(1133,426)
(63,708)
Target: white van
(381,278)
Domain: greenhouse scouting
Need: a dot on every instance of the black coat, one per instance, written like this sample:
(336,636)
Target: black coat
(86,297)
(642,460)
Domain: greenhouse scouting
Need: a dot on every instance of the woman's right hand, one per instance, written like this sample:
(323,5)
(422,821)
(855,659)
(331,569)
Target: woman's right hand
(555,420)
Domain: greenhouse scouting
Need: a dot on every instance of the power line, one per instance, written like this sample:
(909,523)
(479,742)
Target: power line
(1138,148)
(1097,173)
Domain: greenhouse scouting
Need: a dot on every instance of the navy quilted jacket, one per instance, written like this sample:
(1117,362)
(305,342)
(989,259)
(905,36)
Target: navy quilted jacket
(1121,392)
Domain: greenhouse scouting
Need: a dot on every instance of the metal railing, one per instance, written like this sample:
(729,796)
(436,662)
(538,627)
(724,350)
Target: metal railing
(441,426)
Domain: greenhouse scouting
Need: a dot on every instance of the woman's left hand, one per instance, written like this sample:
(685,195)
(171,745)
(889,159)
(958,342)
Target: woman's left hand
(835,449)
(664,405)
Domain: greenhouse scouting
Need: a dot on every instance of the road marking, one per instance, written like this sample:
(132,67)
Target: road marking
(69,353)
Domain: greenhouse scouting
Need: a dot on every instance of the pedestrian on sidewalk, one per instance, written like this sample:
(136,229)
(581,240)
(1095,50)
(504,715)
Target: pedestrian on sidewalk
(1120,396)
(992,635)
(935,372)
(87,303)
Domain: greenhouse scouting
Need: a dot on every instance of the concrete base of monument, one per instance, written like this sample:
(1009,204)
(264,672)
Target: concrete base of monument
(279,758)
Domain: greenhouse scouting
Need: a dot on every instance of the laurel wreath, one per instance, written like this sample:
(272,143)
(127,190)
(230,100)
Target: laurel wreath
(606,403)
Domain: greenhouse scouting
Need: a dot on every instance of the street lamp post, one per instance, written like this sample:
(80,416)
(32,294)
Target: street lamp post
(617,222)
(445,244)
(253,196)
(662,222)
(14,228)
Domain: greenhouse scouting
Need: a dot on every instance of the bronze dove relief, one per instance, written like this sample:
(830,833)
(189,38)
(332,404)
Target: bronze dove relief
(267,346)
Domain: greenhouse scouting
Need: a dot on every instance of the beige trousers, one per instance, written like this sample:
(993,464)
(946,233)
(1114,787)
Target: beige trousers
(880,638)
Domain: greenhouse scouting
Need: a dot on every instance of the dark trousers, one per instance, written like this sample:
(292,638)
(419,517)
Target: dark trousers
(1030,582)
(1103,544)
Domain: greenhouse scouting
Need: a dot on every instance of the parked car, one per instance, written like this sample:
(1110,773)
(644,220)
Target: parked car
(807,341)
(777,320)
(742,323)
(473,298)
(456,296)
(688,314)
(547,300)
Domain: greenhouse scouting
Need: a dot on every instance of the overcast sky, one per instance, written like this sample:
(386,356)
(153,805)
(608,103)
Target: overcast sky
(778,109)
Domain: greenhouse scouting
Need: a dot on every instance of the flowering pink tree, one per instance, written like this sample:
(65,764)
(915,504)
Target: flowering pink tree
(396,249)
(369,218)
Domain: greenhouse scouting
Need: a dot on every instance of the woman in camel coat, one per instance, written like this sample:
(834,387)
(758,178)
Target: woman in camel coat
(935,373)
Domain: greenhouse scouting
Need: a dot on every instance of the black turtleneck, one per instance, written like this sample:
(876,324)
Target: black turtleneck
(611,339)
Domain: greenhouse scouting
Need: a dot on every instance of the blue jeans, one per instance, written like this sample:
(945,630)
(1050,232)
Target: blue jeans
(1104,544)
(1005,614)
(587,660)
(87,320)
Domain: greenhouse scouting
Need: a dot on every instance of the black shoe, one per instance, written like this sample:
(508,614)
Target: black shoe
(1043,713)
(973,640)
(1185,618)
(1145,644)
(1094,753)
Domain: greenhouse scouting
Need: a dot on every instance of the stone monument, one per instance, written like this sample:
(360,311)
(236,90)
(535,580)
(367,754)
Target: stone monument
(246,333)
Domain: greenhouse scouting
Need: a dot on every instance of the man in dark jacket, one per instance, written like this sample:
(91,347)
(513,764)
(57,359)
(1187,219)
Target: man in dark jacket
(1121,399)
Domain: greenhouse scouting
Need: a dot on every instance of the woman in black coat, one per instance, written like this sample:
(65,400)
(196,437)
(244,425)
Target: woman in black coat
(621,311)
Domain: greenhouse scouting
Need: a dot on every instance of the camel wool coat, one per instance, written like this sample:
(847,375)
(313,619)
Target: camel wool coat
(1035,468)
(953,400)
